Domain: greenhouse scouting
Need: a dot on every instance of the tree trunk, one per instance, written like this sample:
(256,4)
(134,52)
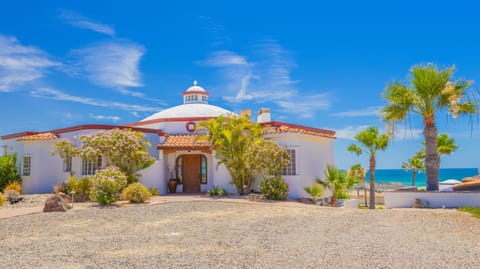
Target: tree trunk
(372,182)
(414,174)
(432,159)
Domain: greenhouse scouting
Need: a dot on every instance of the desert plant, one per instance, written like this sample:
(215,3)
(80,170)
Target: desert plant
(338,182)
(431,90)
(107,185)
(154,191)
(8,170)
(274,188)
(81,187)
(3,200)
(316,191)
(14,185)
(216,191)
(136,193)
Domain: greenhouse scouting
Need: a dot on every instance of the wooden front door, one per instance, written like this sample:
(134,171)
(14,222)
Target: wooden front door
(191,173)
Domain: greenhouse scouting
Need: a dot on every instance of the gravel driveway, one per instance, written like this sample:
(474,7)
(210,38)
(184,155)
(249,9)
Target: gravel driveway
(214,234)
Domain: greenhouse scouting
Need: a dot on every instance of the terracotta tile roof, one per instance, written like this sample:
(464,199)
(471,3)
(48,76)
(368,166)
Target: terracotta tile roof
(39,136)
(185,142)
(280,128)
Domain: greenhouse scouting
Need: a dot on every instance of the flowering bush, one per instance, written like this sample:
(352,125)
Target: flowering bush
(107,185)
(81,187)
(274,188)
(136,193)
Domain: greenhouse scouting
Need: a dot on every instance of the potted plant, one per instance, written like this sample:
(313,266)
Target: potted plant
(172,182)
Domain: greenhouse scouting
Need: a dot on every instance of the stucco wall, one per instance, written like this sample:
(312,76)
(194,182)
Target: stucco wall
(153,176)
(46,170)
(313,153)
(435,199)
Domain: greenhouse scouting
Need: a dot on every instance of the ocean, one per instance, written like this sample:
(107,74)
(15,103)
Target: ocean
(405,178)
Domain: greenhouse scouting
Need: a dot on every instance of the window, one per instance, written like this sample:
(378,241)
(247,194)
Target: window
(27,164)
(67,165)
(203,169)
(291,168)
(89,167)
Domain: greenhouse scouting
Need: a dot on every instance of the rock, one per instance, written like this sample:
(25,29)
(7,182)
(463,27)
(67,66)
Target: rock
(305,200)
(66,197)
(12,196)
(56,203)
(417,203)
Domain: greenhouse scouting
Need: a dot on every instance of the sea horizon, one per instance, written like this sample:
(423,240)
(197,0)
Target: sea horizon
(405,177)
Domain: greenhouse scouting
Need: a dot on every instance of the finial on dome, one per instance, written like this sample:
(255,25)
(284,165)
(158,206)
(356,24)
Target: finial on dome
(194,83)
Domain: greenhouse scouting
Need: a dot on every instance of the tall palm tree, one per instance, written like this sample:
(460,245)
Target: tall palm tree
(371,141)
(415,164)
(445,146)
(430,90)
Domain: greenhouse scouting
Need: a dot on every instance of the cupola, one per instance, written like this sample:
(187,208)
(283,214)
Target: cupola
(195,95)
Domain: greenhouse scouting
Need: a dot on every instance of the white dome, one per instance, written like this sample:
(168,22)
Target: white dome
(195,88)
(189,111)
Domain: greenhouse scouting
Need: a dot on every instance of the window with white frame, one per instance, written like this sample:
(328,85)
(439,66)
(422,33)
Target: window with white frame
(67,164)
(27,165)
(291,168)
(89,167)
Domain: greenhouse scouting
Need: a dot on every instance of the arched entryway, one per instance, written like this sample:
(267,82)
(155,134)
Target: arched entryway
(192,171)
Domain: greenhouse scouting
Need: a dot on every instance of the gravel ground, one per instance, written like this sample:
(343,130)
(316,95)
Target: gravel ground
(214,234)
(31,200)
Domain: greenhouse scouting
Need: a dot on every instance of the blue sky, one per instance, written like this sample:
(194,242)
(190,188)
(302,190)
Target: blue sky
(320,64)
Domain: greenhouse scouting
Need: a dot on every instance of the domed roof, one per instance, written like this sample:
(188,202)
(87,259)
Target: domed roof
(195,88)
(190,111)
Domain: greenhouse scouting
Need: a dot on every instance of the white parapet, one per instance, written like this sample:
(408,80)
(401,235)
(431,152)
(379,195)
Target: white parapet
(394,199)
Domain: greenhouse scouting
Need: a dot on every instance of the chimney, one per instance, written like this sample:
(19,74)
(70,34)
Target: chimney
(264,115)
(246,112)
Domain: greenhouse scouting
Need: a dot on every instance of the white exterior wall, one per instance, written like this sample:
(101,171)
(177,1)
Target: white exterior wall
(46,170)
(153,176)
(397,199)
(171,127)
(313,153)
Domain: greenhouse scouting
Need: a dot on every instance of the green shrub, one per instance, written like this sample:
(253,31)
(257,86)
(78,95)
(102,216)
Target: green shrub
(8,170)
(81,187)
(315,191)
(15,185)
(107,185)
(60,188)
(274,188)
(216,191)
(3,200)
(136,193)
(422,189)
(154,191)
(472,210)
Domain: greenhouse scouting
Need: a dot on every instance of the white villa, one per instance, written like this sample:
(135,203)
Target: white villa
(172,135)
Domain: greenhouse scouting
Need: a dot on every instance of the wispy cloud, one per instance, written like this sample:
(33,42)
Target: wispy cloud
(224,58)
(79,21)
(103,118)
(401,133)
(215,31)
(363,112)
(112,64)
(21,65)
(265,78)
(349,132)
(49,93)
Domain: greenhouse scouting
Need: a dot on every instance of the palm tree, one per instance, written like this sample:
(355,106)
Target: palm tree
(415,164)
(337,181)
(430,90)
(445,146)
(370,142)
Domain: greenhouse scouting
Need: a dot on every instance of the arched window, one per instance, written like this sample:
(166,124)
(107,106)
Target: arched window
(203,168)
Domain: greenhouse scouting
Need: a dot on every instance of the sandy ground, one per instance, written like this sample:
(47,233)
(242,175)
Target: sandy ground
(199,232)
